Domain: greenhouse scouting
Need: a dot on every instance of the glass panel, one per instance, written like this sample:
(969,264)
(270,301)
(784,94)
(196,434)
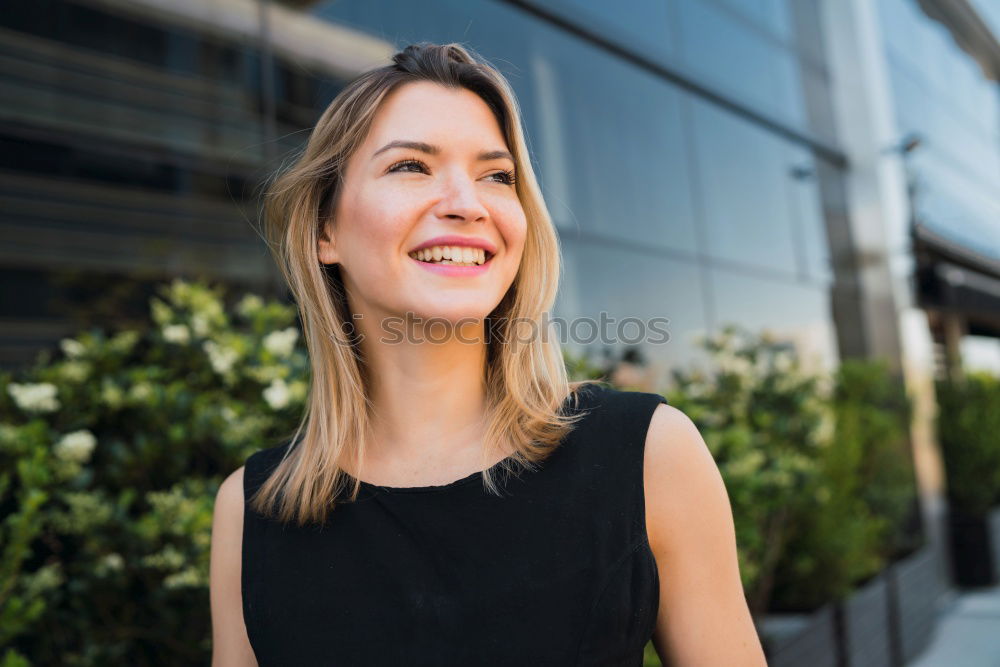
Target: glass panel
(942,93)
(796,311)
(902,23)
(771,15)
(623,284)
(807,216)
(644,27)
(744,177)
(129,139)
(630,184)
(739,61)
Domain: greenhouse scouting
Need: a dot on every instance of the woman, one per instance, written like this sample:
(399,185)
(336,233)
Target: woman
(415,239)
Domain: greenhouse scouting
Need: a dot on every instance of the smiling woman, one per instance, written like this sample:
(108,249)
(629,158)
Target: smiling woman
(457,501)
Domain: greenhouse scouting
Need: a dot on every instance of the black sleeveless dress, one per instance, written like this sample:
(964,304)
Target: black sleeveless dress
(557,571)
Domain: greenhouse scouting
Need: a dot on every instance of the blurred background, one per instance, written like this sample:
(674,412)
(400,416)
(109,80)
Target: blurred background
(823,171)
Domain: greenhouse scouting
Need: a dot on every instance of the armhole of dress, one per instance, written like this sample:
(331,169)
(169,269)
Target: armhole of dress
(659,400)
(640,406)
(248,472)
(642,459)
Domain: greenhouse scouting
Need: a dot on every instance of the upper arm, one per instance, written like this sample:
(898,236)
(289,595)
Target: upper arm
(703,618)
(230,644)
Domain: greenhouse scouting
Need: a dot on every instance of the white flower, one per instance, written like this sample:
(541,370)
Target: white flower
(76,446)
(249,305)
(185,578)
(176,333)
(72,348)
(112,562)
(277,394)
(229,414)
(265,374)
(221,357)
(111,394)
(297,390)
(281,343)
(74,370)
(40,397)
(140,392)
(199,322)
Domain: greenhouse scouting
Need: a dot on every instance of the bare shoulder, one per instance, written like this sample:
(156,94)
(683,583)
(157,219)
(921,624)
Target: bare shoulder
(229,498)
(678,468)
(227,517)
(230,643)
(683,487)
(689,522)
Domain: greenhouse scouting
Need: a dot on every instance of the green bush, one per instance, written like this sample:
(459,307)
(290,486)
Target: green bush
(968,429)
(850,522)
(112,452)
(763,420)
(817,468)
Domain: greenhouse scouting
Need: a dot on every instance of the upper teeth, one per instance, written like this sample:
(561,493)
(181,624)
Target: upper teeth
(458,254)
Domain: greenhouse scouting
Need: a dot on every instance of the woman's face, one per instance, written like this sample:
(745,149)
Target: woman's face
(453,180)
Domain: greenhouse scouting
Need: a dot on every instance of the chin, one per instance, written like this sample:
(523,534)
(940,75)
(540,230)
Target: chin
(453,312)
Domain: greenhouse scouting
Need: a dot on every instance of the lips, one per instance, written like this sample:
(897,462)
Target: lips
(461,241)
(455,270)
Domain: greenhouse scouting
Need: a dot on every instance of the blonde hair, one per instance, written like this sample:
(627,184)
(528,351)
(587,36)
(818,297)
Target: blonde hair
(526,381)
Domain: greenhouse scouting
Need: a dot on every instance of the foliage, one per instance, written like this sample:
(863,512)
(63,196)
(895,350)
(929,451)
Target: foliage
(968,425)
(817,468)
(763,421)
(850,523)
(103,552)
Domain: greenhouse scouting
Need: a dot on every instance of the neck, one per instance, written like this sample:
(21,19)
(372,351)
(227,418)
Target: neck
(429,400)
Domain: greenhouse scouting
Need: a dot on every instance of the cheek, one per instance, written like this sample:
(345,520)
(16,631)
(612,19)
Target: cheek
(515,230)
(378,223)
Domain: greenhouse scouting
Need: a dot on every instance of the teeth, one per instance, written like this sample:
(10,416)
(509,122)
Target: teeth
(457,255)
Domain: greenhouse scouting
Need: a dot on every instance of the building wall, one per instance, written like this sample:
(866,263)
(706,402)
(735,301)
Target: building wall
(682,147)
(941,93)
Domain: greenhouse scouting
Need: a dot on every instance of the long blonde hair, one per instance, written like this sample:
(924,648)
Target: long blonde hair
(526,381)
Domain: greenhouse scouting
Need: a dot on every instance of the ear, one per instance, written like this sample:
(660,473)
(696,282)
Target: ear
(327,250)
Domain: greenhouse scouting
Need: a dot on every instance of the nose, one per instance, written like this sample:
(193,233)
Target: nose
(461,200)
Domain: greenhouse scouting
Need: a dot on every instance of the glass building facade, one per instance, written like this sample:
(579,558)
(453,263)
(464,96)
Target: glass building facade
(681,145)
(691,152)
(943,81)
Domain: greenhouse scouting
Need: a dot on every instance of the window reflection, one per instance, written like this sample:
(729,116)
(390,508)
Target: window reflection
(743,178)
(632,184)
(941,93)
(798,312)
(740,61)
(645,25)
(807,216)
(624,283)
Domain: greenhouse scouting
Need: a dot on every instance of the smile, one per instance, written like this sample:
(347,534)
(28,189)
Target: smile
(452,255)
(473,262)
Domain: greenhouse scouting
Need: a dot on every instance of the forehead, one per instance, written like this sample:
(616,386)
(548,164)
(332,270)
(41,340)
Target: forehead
(425,110)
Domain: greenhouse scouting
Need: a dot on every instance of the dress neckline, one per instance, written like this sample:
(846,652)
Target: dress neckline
(458,483)
(464,481)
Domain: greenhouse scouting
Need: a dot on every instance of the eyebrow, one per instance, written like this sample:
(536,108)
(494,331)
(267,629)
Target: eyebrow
(434,150)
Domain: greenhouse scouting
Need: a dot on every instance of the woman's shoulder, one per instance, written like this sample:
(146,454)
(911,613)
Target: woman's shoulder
(613,403)
(612,433)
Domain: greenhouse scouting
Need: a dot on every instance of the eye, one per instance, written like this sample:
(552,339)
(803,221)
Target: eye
(508,177)
(408,162)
